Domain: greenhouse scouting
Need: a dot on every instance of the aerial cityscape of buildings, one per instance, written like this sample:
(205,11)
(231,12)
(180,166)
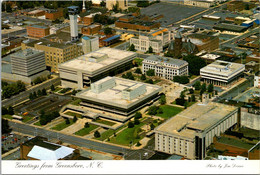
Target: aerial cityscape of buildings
(130,80)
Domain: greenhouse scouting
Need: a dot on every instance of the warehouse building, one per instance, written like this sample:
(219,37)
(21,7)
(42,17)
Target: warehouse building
(118,95)
(88,68)
(190,132)
(221,73)
(165,67)
(38,31)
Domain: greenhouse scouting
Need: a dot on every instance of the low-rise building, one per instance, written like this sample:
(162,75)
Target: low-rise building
(200,3)
(38,31)
(54,14)
(157,40)
(122,4)
(91,29)
(221,73)
(118,95)
(165,67)
(88,68)
(38,148)
(89,19)
(190,132)
(36,13)
(204,42)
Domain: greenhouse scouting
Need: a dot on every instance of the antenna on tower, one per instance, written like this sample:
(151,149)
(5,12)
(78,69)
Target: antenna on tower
(83,6)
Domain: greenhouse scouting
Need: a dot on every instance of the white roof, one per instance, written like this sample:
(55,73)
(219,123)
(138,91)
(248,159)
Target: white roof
(41,153)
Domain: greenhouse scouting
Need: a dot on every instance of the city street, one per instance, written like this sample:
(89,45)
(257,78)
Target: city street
(82,142)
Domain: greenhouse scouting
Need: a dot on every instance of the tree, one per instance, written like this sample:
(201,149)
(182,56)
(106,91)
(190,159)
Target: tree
(180,101)
(103,4)
(132,47)
(130,125)
(150,72)
(193,99)
(52,88)
(150,81)
(133,9)
(108,31)
(159,111)
(44,91)
(144,3)
(162,100)
(34,95)
(39,93)
(97,134)
(86,125)
(138,71)
(67,121)
(247,6)
(138,115)
(197,85)
(152,126)
(216,92)
(128,75)
(143,77)
(4,111)
(204,87)
(115,8)
(153,110)
(75,119)
(181,79)
(210,88)
(191,91)
(20,86)
(150,50)
(195,64)
(5,127)
(136,122)
(11,110)
(8,8)
(138,144)
(31,97)
(185,105)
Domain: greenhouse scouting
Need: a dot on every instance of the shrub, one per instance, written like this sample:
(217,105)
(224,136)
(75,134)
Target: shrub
(153,110)
(75,119)
(86,125)
(138,71)
(96,134)
(150,72)
(136,122)
(130,125)
(138,115)
(67,121)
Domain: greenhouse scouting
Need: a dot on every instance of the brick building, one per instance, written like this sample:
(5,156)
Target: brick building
(39,149)
(36,13)
(38,31)
(89,19)
(54,14)
(204,42)
(136,23)
(91,30)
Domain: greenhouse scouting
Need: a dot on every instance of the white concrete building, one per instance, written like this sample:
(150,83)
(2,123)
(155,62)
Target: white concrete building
(93,66)
(118,95)
(122,4)
(90,44)
(165,67)
(202,3)
(221,73)
(156,39)
(28,62)
(190,132)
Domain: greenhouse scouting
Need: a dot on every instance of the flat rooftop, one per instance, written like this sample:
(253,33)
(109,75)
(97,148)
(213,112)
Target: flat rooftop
(113,95)
(223,68)
(197,117)
(160,59)
(47,43)
(38,26)
(26,53)
(97,60)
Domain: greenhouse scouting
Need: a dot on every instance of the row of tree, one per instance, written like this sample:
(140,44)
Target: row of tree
(203,88)
(181,79)
(9,90)
(39,93)
(9,110)
(46,118)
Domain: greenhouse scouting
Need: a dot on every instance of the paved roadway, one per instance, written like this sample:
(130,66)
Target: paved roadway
(14,156)
(25,95)
(103,147)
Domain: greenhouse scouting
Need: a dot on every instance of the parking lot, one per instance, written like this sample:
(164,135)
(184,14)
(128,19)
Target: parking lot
(171,12)
(11,141)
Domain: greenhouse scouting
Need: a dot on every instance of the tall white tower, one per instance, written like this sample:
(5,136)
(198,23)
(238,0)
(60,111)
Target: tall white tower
(73,13)
(83,6)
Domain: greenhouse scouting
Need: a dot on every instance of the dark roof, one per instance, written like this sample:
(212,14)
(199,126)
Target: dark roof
(189,46)
(230,27)
(40,141)
(178,35)
(38,26)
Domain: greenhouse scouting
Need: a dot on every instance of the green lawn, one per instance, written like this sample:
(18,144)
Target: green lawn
(127,135)
(169,111)
(73,114)
(108,133)
(76,102)
(7,116)
(38,124)
(105,122)
(57,89)
(139,61)
(85,131)
(27,118)
(156,81)
(62,125)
